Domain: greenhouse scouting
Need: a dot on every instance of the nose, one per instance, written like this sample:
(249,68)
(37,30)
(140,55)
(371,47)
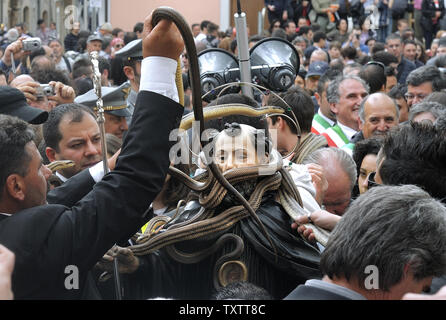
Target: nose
(382,126)
(124,126)
(91,149)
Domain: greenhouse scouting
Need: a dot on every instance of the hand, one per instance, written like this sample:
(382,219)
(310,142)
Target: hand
(321,218)
(285,15)
(320,183)
(16,48)
(112,160)
(127,262)
(271,7)
(437,14)
(162,40)
(440,295)
(63,94)
(29,89)
(7,260)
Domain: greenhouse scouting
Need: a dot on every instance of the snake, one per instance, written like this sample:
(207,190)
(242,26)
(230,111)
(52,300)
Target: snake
(189,42)
(205,223)
(60,165)
(223,110)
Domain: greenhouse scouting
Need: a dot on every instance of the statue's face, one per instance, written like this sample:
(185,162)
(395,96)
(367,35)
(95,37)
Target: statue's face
(236,152)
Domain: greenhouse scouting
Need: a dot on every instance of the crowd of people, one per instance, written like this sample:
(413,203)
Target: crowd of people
(346,183)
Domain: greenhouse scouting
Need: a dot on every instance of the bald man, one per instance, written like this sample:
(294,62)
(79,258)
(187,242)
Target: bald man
(378,113)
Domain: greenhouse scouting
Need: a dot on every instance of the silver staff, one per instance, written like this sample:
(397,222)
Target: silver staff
(100,107)
(101,122)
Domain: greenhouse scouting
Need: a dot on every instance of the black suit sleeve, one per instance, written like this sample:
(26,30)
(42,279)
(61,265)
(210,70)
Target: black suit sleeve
(47,239)
(73,190)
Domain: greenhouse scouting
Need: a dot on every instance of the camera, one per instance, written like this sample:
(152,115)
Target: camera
(32,44)
(45,90)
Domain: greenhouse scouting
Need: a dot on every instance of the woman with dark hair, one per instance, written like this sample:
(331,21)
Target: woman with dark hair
(275,24)
(421,52)
(341,33)
(365,154)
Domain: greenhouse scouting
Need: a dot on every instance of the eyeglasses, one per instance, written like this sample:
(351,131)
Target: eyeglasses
(410,96)
(119,45)
(371,181)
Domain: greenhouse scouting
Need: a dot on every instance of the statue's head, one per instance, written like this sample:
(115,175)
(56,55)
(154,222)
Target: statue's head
(240,145)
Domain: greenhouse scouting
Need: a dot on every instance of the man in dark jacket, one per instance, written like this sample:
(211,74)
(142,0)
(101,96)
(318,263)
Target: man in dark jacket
(55,245)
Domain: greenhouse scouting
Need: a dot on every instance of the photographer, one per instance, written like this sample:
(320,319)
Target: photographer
(44,97)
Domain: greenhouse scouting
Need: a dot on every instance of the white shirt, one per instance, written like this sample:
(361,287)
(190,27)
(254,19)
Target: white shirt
(349,132)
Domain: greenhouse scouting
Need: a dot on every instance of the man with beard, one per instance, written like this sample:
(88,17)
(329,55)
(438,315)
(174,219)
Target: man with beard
(180,267)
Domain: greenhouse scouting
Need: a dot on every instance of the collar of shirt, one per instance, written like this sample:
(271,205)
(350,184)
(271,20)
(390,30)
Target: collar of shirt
(342,291)
(349,132)
(331,122)
(61,177)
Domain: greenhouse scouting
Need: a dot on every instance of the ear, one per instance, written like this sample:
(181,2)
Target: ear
(334,108)
(129,73)
(15,186)
(50,154)
(318,98)
(361,125)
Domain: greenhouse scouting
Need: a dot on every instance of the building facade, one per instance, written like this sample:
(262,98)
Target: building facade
(123,14)
(90,13)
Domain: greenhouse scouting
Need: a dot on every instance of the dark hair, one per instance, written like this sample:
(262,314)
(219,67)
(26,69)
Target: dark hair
(415,153)
(51,74)
(426,74)
(409,41)
(40,21)
(81,67)
(116,31)
(398,91)
(394,36)
(271,26)
(385,57)
(204,24)
(51,131)
(363,148)
(389,228)
(301,105)
(374,76)
(330,75)
(304,30)
(129,37)
(349,52)
(15,134)
(139,27)
(318,35)
(364,59)
(104,64)
(241,290)
(379,46)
